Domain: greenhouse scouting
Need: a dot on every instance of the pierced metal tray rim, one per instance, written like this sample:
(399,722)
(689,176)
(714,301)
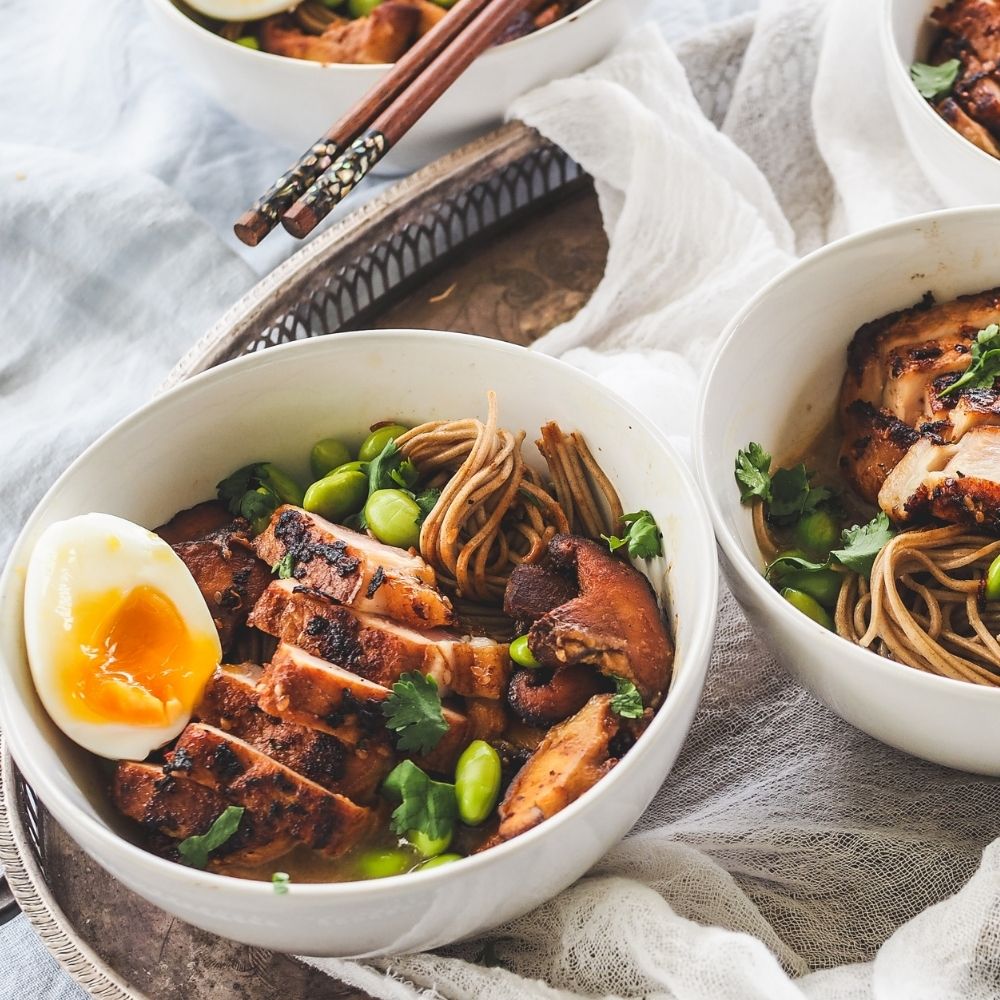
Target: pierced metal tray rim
(204,352)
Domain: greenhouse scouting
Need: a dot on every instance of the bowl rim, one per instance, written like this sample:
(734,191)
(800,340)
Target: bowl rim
(742,565)
(901,71)
(696,651)
(171,10)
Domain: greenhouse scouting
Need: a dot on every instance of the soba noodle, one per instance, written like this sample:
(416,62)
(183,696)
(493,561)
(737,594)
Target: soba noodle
(494,511)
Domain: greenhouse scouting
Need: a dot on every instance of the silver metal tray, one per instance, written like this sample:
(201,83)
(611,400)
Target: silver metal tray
(500,239)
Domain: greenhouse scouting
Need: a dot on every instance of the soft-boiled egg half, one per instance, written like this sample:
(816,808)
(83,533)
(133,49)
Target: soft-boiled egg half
(120,640)
(240,10)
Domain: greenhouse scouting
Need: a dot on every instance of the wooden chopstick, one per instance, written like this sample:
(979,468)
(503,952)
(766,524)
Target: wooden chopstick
(257,222)
(392,123)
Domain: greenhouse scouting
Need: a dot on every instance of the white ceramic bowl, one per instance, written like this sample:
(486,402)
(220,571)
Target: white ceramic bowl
(295,101)
(775,380)
(960,172)
(274,404)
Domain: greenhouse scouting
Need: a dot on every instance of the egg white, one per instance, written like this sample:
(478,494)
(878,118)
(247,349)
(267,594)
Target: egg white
(240,10)
(92,554)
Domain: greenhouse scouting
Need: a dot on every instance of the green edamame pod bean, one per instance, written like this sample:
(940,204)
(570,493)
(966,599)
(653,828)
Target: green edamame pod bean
(362,8)
(809,606)
(428,846)
(441,859)
(372,445)
(383,863)
(521,654)
(327,455)
(281,482)
(337,495)
(993,581)
(823,584)
(817,533)
(351,467)
(248,42)
(393,518)
(477,782)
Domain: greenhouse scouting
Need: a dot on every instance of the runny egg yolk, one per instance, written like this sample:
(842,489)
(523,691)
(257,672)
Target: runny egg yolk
(131,658)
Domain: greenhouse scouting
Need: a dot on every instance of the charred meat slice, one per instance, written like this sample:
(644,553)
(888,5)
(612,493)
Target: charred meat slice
(223,564)
(952,112)
(571,759)
(974,22)
(305,689)
(282,805)
(957,482)
(198,521)
(614,623)
(172,807)
(354,569)
(377,648)
(230,703)
(381,37)
(873,445)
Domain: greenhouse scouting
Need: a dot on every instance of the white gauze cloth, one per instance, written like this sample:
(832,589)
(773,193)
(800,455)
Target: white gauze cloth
(787,855)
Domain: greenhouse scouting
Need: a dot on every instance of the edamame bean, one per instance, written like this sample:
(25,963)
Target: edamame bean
(337,495)
(248,42)
(281,482)
(817,533)
(393,518)
(477,782)
(351,467)
(992,592)
(521,654)
(383,863)
(823,584)
(372,445)
(809,606)
(327,455)
(428,846)
(441,859)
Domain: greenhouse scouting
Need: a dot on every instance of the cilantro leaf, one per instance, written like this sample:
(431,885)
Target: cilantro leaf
(280,880)
(413,711)
(935,81)
(424,804)
(426,501)
(984,366)
(863,542)
(381,468)
(285,567)
(248,493)
(753,465)
(792,496)
(405,476)
(784,565)
(195,850)
(643,537)
(626,701)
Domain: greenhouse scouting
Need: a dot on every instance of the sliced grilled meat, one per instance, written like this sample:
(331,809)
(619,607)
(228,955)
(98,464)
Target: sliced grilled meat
(230,703)
(282,805)
(976,23)
(199,521)
(614,624)
(377,648)
(354,569)
(305,689)
(571,759)
(953,113)
(874,443)
(957,482)
(223,564)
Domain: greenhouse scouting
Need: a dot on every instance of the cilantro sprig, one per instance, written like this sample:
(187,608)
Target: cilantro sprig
(935,81)
(786,492)
(256,491)
(194,851)
(984,363)
(391,470)
(642,536)
(860,546)
(413,712)
(423,804)
(626,701)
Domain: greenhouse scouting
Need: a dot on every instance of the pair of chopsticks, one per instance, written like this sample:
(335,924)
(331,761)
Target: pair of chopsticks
(334,165)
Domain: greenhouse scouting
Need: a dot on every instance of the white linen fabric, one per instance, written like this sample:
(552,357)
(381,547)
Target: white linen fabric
(787,855)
